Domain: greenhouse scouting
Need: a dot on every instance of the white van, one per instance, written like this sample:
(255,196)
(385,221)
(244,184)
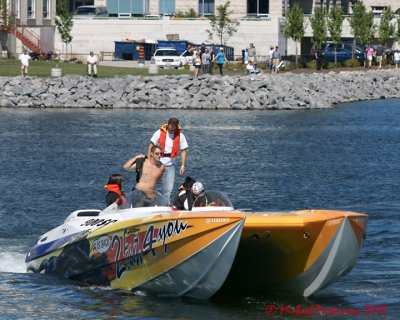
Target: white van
(90,12)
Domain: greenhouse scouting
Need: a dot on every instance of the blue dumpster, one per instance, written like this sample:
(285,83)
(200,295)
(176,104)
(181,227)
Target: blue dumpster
(130,50)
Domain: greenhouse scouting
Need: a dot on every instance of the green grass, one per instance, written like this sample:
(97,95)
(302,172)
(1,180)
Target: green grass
(40,68)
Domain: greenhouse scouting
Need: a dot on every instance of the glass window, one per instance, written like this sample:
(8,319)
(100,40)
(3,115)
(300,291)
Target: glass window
(166,6)
(206,7)
(31,9)
(46,9)
(257,7)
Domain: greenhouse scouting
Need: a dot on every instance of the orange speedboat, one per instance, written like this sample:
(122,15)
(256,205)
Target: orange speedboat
(145,246)
(299,252)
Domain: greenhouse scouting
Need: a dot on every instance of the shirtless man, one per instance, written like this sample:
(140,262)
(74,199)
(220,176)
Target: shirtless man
(152,170)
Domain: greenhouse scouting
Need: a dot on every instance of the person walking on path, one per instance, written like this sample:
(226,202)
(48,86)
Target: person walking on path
(318,57)
(379,55)
(149,169)
(276,57)
(91,61)
(24,58)
(221,59)
(205,59)
(170,139)
(252,54)
(369,51)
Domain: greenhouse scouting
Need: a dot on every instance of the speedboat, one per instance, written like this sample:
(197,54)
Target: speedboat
(298,252)
(143,247)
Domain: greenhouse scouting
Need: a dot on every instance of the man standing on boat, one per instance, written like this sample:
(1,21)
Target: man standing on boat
(149,170)
(170,139)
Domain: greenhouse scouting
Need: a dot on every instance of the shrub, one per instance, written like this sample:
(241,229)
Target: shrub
(352,63)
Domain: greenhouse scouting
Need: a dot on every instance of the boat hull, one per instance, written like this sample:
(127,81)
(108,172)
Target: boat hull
(174,254)
(298,252)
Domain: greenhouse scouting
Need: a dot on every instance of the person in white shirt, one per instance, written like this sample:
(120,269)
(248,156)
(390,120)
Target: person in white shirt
(170,139)
(396,58)
(24,58)
(92,64)
(251,69)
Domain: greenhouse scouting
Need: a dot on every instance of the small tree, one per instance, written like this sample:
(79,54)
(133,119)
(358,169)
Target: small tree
(335,21)
(222,24)
(397,32)
(7,17)
(294,27)
(386,28)
(362,24)
(318,25)
(64,23)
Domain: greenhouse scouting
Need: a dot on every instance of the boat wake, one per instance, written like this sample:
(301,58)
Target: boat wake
(12,261)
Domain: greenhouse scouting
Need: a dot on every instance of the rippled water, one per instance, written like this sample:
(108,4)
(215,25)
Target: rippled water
(57,161)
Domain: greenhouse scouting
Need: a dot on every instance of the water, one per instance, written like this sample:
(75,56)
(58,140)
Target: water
(57,161)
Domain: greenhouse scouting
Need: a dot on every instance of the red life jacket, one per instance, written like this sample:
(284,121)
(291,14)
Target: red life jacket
(163,138)
(121,200)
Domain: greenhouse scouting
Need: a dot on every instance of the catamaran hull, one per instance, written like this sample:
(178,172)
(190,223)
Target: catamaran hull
(298,253)
(171,254)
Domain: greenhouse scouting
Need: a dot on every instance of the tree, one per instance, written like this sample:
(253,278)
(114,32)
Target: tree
(318,25)
(397,32)
(335,21)
(386,28)
(222,24)
(294,26)
(64,23)
(362,24)
(7,17)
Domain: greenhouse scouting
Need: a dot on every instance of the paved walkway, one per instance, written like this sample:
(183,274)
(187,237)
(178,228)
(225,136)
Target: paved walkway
(123,63)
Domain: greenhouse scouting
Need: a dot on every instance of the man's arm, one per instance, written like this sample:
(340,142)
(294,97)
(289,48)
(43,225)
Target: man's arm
(130,165)
(151,145)
(183,166)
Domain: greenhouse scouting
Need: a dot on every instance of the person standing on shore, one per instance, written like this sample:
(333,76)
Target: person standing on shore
(91,64)
(276,57)
(252,54)
(24,58)
(170,139)
(318,57)
(221,59)
(369,51)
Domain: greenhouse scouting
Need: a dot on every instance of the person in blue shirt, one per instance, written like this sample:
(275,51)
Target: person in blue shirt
(221,59)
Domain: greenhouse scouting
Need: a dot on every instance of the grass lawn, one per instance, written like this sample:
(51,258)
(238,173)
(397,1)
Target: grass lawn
(40,68)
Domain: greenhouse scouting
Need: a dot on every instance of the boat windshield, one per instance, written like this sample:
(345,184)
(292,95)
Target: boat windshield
(212,198)
(149,198)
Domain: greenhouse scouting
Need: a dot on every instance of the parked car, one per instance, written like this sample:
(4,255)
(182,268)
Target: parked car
(341,55)
(344,45)
(167,58)
(90,12)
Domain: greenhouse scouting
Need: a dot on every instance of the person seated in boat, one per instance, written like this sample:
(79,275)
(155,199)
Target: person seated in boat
(148,170)
(187,195)
(115,194)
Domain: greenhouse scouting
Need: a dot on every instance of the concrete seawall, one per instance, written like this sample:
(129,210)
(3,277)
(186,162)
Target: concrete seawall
(286,91)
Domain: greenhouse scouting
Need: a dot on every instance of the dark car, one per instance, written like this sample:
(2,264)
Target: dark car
(344,45)
(341,55)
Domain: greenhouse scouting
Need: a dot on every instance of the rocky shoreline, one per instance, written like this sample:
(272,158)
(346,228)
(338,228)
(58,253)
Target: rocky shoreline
(286,91)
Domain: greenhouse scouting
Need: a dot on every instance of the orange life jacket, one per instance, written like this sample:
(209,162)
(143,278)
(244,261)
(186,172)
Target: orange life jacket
(163,138)
(121,200)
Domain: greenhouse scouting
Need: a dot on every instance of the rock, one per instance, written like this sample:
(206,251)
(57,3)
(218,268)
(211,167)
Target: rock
(282,91)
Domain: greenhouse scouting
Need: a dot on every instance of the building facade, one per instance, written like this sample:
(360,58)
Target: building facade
(32,26)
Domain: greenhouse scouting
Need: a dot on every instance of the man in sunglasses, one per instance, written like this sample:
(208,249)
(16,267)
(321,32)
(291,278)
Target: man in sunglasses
(149,170)
(171,140)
